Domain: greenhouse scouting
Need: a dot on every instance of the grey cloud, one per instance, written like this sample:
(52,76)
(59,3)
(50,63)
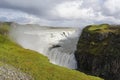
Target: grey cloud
(30,9)
(3,19)
(36,7)
(42,8)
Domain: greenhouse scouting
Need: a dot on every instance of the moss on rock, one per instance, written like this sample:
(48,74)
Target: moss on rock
(98,51)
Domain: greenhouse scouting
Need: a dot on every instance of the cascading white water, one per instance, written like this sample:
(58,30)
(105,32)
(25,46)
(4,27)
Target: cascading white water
(58,44)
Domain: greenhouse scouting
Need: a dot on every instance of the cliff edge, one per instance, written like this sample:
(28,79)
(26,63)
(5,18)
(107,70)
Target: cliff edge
(98,51)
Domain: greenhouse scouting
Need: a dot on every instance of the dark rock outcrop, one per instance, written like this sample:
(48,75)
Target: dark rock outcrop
(98,51)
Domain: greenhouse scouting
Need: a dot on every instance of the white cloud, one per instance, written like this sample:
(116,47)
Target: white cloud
(17,16)
(73,10)
(113,6)
(61,12)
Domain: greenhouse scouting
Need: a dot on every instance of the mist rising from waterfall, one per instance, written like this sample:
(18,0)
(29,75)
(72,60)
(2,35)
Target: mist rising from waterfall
(58,44)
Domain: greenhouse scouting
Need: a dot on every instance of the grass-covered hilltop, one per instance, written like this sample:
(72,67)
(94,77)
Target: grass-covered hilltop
(17,63)
(98,51)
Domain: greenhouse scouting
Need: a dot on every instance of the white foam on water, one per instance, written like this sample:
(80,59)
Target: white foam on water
(58,44)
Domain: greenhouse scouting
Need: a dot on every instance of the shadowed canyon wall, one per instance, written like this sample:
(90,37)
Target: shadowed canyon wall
(98,51)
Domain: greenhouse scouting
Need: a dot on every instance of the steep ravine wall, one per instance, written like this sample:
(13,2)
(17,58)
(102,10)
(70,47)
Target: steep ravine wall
(98,51)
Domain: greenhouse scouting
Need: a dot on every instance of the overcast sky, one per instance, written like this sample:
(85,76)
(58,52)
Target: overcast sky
(61,12)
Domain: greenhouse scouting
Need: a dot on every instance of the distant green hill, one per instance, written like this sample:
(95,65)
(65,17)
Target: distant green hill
(33,63)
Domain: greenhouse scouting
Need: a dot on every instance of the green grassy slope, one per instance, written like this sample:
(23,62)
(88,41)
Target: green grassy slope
(35,64)
(99,39)
(102,28)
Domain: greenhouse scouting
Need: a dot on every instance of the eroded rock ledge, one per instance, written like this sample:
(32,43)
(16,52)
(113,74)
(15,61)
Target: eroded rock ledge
(98,51)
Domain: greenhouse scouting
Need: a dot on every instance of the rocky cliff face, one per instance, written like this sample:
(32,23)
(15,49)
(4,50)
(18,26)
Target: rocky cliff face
(98,51)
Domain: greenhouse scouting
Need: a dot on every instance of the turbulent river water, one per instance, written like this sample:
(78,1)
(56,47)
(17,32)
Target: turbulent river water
(57,43)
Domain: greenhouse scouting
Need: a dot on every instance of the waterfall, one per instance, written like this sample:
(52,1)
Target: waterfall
(58,44)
